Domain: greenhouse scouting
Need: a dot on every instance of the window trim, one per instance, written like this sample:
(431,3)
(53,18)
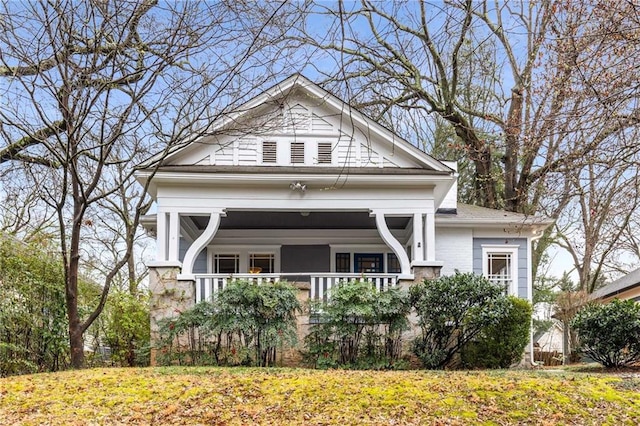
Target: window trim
(512,250)
(360,249)
(244,251)
(215,261)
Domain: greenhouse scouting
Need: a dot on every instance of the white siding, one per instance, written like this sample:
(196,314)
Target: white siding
(301,120)
(320,125)
(297,118)
(247,151)
(454,246)
(223,156)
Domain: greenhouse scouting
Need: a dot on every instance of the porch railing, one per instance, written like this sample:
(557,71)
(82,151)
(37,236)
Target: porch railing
(207,285)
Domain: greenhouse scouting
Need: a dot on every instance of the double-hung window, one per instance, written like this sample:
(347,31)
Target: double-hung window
(500,266)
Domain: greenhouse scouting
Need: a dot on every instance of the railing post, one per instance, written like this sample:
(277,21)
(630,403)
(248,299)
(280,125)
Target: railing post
(198,284)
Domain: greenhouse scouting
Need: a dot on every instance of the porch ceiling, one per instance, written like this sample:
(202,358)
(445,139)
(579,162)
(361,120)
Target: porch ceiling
(295,220)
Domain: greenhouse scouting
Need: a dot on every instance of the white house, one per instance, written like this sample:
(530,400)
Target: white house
(298,185)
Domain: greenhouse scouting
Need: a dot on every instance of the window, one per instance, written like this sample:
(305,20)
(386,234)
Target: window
(263,263)
(500,266)
(297,152)
(324,153)
(368,263)
(226,263)
(343,262)
(393,264)
(269,152)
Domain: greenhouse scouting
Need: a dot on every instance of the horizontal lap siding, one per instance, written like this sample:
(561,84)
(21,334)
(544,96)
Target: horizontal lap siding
(522,259)
(454,248)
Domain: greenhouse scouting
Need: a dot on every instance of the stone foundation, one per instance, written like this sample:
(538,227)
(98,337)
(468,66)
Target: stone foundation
(169,297)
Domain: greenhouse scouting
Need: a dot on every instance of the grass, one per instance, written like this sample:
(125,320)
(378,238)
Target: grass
(226,396)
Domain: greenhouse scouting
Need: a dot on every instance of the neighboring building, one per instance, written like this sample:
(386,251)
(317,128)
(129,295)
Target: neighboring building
(627,287)
(551,339)
(298,185)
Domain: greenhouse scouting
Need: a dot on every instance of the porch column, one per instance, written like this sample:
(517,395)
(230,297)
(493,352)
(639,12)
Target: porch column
(161,237)
(200,243)
(174,236)
(430,237)
(418,243)
(393,243)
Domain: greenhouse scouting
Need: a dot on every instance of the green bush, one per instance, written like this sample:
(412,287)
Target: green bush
(452,311)
(186,339)
(33,323)
(245,325)
(358,327)
(127,327)
(501,345)
(260,318)
(610,333)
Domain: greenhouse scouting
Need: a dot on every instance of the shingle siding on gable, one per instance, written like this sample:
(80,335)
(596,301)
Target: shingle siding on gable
(522,259)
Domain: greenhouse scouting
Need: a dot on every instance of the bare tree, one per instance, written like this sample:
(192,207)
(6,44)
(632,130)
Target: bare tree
(91,88)
(532,67)
(593,226)
(531,92)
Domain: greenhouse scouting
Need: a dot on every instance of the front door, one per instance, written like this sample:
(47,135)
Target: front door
(364,263)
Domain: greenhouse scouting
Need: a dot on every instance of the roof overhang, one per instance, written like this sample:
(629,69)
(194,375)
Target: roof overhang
(467,216)
(314,178)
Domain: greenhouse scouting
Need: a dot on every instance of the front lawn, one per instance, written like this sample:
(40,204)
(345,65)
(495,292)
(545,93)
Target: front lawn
(226,396)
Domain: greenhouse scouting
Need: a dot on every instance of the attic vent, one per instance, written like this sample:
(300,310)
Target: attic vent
(269,152)
(324,152)
(297,153)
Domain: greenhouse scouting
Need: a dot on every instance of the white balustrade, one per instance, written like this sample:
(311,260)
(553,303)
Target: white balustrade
(207,285)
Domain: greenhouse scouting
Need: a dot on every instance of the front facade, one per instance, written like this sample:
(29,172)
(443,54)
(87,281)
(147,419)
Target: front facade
(297,185)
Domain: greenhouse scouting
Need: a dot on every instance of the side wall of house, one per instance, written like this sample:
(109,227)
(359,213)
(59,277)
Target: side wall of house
(454,246)
(523,264)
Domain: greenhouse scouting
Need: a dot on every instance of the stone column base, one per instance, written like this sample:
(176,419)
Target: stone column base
(169,297)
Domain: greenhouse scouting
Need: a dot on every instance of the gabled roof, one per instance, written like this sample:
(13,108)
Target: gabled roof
(298,82)
(629,281)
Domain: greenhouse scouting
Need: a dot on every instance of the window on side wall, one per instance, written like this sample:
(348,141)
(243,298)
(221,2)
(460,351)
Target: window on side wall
(500,266)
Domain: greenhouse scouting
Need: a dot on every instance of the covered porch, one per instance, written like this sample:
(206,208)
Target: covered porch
(313,249)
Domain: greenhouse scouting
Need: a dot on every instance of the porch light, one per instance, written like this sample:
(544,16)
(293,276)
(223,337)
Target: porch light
(298,186)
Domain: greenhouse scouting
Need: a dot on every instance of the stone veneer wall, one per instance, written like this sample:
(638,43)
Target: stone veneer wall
(169,296)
